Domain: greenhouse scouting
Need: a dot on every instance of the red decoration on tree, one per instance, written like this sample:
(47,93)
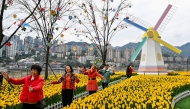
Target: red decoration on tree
(91,7)
(116,14)
(78,56)
(14,23)
(58,9)
(10,2)
(65,28)
(93,22)
(42,9)
(75,29)
(8,44)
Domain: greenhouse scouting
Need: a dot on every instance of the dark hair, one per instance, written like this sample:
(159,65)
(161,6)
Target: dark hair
(36,67)
(92,65)
(70,68)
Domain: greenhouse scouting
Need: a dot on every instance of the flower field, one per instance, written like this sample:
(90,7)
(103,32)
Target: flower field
(139,92)
(9,97)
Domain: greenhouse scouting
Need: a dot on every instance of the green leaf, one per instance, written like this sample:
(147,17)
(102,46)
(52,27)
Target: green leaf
(5,7)
(23,29)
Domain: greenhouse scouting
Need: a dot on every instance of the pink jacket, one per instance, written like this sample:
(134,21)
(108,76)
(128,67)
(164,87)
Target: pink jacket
(37,85)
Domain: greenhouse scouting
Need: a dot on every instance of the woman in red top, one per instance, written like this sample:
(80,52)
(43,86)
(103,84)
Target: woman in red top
(92,85)
(129,71)
(32,90)
(68,80)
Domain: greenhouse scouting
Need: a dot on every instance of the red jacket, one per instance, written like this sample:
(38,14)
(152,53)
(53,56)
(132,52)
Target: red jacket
(92,84)
(63,80)
(130,71)
(37,85)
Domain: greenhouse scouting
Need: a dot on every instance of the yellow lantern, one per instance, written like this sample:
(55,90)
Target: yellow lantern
(14,16)
(74,48)
(62,35)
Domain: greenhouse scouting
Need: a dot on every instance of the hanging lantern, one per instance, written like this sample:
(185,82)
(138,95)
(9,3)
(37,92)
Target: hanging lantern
(14,16)
(105,17)
(74,48)
(62,35)
(58,9)
(70,17)
(50,36)
(52,12)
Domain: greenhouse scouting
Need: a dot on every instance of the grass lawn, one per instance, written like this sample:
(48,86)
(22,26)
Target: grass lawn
(183,104)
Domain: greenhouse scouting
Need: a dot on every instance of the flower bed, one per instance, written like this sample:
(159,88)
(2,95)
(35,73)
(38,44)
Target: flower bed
(9,97)
(139,92)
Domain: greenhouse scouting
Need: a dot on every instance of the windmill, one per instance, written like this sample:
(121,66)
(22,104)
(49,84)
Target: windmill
(151,56)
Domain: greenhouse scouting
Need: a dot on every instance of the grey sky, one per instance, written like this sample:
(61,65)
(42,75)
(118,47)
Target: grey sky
(176,32)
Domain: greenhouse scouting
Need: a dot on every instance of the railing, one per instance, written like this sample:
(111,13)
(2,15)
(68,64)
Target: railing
(58,105)
(180,96)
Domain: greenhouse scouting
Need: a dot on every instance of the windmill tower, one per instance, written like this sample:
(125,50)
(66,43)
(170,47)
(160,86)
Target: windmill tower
(151,56)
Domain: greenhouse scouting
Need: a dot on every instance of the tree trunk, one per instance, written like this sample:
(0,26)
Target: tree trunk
(104,58)
(47,63)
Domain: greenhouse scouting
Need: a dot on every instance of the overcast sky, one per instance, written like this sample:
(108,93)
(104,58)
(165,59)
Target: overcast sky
(177,31)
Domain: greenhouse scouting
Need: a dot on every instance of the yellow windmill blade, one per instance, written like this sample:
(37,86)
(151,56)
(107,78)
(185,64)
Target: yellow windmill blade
(167,45)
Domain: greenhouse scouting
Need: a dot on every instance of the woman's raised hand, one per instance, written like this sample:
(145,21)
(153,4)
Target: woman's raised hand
(48,83)
(5,75)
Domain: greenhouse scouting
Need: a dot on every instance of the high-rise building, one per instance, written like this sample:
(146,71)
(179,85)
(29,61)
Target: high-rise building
(77,50)
(54,45)
(61,50)
(4,47)
(12,50)
(117,53)
(28,43)
(110,53)
(126,53)
(90,51)
(20,45)
(37,44)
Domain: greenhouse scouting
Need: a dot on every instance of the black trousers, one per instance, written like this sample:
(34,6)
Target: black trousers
(104,85)
(67,96)
(128,75)
(91,92)
(29,106)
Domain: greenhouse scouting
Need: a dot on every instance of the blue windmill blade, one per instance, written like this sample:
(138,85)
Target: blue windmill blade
(138,49)
(135,24)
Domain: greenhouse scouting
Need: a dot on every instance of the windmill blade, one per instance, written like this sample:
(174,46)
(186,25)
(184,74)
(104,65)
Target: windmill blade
(135,24)
(165,18)
(139,21)
(138,49)
(167,45)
